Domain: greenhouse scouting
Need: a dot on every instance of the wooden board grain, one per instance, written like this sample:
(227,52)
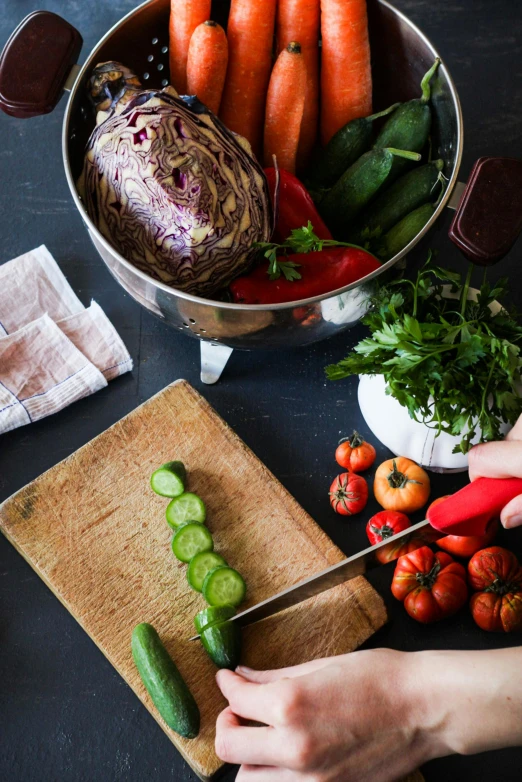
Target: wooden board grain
(96,534)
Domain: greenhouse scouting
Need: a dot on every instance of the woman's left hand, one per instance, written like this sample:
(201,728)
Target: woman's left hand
(370,716)
(351,717)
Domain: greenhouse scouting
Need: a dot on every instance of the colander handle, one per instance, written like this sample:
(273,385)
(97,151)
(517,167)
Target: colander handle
(488,219)
(35,64)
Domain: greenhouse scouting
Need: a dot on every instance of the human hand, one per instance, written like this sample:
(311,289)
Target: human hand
(370,716)
(352,717)
(502,459)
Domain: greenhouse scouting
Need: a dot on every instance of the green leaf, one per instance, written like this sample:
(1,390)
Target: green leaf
(287,268)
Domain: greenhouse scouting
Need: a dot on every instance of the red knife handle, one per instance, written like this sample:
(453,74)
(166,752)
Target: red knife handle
(469,510)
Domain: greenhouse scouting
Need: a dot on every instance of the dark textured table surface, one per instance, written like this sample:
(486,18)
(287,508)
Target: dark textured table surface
(65,713)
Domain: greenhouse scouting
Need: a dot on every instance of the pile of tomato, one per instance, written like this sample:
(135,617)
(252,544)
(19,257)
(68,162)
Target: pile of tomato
(430,584)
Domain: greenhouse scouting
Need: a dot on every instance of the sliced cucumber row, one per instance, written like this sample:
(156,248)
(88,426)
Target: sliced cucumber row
(223,587)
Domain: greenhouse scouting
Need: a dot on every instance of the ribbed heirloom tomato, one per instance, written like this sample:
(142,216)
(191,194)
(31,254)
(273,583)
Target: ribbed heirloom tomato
(461,546)
(430,584)
(496,577)
(355,454)
(402,485)
(348,494)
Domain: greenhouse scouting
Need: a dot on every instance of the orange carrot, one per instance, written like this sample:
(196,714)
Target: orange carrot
(298,20)
(207,64)
(346,79)
(185,16)
(250,39)
(285,108)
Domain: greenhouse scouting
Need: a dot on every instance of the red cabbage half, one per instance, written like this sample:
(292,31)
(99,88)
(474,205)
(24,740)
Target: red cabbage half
(175,192)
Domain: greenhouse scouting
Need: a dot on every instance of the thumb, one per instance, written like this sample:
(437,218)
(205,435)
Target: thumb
(511,515)
(264,677)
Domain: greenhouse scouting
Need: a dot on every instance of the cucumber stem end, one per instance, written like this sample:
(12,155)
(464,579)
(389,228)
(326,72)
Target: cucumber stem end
(426,79)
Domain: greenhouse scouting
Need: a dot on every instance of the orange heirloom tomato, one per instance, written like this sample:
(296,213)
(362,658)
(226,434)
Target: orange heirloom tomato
(402,485)
(355,454)
(496,576)
(430,584)
(348,494)
(465,546)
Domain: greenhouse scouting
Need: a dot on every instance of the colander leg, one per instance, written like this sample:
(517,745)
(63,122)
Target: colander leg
(213,361)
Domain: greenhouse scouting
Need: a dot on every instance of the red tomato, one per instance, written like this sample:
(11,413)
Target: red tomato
(430,584)
(348,494)
(385,524)
(496,576)
(355,454)
(461,546)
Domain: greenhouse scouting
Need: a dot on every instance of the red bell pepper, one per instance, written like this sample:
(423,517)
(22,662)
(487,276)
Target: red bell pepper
(321,272)
(295,207)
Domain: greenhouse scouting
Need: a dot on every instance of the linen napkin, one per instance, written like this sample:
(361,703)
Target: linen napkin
(54,350)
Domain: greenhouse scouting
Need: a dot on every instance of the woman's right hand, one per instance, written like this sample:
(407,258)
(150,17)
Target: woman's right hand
(501,459)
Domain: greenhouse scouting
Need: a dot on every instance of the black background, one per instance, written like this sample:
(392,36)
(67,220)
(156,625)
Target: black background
(65,714)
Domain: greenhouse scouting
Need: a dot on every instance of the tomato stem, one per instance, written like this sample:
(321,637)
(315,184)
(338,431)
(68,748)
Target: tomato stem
(355,440)
(384,532)
(398,480)
(428,579)
(501,587)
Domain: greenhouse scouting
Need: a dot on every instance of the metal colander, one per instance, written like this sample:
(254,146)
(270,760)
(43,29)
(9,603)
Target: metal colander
(401,55)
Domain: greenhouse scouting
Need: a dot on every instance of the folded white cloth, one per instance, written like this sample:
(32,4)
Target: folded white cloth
(54,351)
(93,333)
(31,286)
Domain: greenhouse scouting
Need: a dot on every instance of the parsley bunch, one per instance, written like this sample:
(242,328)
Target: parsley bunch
(452,362)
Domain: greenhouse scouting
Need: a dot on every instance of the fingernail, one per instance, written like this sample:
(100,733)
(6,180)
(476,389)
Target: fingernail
(243,669)
(513,521)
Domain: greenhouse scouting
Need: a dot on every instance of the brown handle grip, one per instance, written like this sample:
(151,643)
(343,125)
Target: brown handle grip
(488,219)
(35,63)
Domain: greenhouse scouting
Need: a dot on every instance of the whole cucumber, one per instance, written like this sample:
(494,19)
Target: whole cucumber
(343,149)
(164,683)
(222,642)
(405,231)
(406,194)
(357,186)
(409,126)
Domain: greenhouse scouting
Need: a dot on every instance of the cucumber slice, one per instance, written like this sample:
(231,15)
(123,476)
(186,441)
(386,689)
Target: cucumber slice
(224,586)
(200,565)
(212,615)
(222,642)
(185,507)
(169,480)
(164,683)
(191,539)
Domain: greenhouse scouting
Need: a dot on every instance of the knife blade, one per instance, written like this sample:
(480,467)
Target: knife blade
(467,512)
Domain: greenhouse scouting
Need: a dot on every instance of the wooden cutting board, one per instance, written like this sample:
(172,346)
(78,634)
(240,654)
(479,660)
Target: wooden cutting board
(96,534)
